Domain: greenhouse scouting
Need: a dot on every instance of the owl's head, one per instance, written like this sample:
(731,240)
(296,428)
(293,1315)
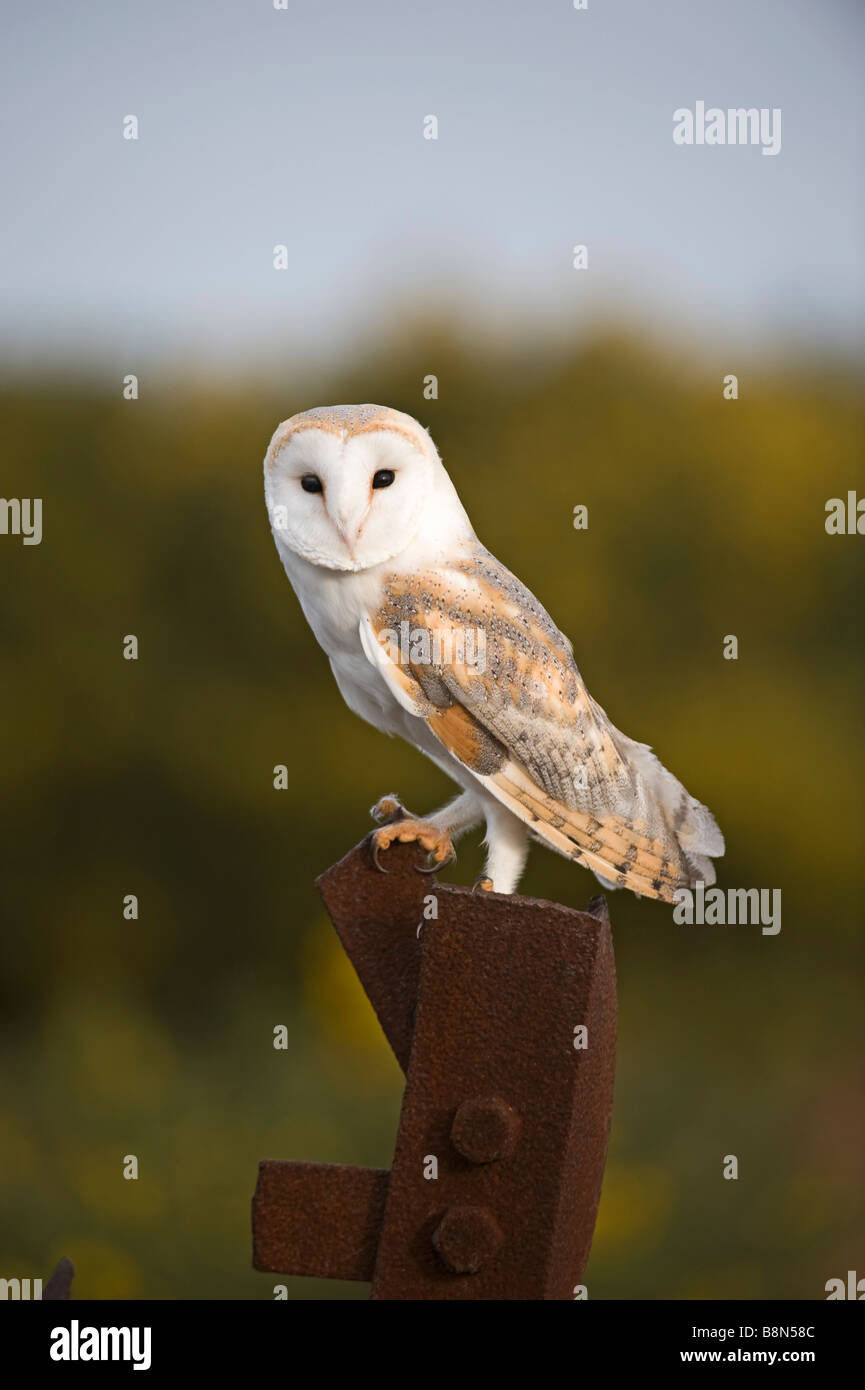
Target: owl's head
(352,486)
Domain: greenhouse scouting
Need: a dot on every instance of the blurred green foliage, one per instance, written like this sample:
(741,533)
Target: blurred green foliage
(154,777)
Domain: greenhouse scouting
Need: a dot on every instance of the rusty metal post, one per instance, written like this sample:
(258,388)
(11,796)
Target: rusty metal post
(502,1013)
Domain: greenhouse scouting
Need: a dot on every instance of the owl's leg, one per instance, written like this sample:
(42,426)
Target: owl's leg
(435,832)
(459,815)
(507,841)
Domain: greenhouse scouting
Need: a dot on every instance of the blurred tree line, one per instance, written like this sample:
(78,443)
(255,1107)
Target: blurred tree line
(154,777)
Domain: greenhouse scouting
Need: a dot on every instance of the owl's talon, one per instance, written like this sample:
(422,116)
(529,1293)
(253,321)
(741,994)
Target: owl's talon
(429,837)
(483,885)
(387,806)
(448,858)
(375,859)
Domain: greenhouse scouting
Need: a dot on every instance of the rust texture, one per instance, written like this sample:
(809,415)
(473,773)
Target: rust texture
(502,1139)
(321,1219)
(378,919)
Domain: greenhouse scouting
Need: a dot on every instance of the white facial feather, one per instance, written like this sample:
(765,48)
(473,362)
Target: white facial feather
(382,485)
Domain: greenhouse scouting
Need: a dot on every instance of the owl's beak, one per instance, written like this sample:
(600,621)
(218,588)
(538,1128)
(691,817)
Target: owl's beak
(348,536)
(348,527)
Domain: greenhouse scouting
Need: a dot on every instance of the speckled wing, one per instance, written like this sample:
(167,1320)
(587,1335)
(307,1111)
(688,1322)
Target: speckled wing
(469,649)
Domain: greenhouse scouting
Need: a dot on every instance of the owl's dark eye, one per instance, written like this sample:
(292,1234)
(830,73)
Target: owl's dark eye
(310,483)
(383,478)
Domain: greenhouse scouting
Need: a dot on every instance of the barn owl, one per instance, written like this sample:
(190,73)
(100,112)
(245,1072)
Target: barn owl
(431,638)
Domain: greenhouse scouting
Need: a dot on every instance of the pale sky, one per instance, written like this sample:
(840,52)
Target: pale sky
(305,127)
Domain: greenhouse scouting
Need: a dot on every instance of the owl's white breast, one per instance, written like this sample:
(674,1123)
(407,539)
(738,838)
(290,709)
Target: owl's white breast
(334,602)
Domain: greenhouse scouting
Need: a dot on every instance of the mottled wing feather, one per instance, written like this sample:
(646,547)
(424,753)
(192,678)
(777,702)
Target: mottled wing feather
(469,649)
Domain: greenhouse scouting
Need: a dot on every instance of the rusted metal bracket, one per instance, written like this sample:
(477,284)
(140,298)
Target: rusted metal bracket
(502,1013)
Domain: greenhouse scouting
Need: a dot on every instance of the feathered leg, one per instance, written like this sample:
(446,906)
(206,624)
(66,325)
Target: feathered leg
(507,841)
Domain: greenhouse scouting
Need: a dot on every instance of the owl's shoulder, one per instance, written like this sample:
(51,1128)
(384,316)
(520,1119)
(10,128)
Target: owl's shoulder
(473,586)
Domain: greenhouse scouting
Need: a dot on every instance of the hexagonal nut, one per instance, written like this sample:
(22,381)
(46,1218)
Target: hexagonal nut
(467,1238)
(484,1129)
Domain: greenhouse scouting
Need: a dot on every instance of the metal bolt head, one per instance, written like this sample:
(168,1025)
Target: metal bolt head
(484,1129)
(467,1238)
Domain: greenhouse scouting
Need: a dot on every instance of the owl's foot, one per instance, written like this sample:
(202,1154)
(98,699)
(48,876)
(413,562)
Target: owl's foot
(483,885)
(387,807)
(437,842)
